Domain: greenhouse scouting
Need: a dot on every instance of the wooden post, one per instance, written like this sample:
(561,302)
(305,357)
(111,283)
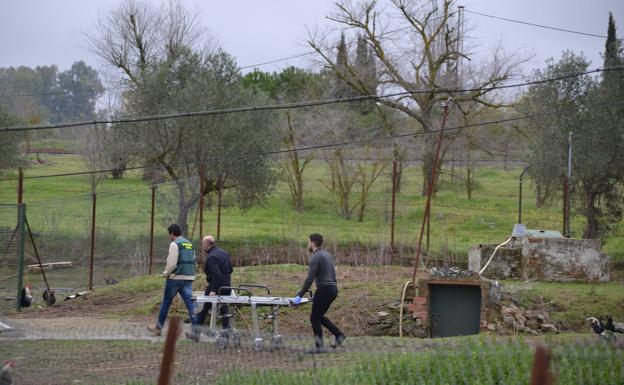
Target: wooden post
(151,247)
(20,187)
(166,367)
(92,243)
(541,362)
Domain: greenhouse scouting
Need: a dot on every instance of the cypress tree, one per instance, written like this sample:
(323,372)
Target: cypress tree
(341,87)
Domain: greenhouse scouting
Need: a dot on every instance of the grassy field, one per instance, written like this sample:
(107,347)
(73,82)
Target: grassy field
(59,209)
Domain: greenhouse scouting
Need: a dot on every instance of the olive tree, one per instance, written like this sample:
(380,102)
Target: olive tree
(158,56)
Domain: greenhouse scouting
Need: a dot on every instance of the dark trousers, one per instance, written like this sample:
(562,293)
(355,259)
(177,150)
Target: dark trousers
(223,310)
(323,298)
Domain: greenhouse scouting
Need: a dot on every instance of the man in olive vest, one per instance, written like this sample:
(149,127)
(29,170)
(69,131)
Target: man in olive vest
(180,274)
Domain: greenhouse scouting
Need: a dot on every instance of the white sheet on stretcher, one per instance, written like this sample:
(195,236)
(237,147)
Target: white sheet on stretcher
(247,300)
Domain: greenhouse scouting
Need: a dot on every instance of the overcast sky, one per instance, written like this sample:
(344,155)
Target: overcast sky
(44,32)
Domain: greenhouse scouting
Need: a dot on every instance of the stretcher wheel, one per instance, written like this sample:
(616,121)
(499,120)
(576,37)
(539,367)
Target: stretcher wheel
(258,345)
(236,339)
(222,343)
(277,342)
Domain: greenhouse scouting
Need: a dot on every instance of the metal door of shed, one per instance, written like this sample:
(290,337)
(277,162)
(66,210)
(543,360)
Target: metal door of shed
(455,310)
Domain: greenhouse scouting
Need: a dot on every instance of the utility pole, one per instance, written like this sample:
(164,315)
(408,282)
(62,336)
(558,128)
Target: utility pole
(520,194)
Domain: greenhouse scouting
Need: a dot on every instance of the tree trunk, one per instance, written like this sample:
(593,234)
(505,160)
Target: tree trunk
(118,170)
(538,195)
(427,167)
(361,211)
(428,159)
(592,228)
(299,193)
(294,167)
(399,156)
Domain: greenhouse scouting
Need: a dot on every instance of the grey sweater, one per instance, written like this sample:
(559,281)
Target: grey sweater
(321,270)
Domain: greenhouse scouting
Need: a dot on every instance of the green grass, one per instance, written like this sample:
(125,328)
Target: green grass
(471,361)
(461,360)
(571,303)
(60,208)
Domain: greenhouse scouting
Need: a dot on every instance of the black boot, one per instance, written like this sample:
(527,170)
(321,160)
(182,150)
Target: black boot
(340,338)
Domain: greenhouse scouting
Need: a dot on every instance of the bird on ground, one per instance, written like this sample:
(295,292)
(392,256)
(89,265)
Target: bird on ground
(605,330)
(615,327)
(5,374)
(26,296)
(596,325)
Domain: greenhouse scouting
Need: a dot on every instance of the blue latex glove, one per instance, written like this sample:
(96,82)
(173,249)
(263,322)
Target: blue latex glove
(296,300)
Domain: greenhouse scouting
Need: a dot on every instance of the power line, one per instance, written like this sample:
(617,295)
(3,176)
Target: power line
(537,25)
(303,104)
(34,94)
(283,151)
(309,53)
(278,60)
(52,93)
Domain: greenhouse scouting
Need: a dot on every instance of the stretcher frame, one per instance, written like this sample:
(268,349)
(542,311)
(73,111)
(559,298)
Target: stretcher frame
(242,296)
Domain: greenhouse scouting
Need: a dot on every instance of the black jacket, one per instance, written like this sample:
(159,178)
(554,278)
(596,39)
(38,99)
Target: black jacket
(218,269)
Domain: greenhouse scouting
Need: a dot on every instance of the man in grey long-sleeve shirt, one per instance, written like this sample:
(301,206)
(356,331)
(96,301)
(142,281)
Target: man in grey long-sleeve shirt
(322,271)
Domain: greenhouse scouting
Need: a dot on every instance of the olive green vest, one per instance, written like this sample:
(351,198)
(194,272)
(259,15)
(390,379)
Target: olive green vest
(186,257)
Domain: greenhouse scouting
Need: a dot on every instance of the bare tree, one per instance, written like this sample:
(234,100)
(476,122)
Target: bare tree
(353,167)
(294,164)
(92,152)
(423,60)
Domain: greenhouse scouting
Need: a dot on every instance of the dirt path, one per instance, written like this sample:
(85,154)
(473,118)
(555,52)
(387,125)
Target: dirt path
(68,328)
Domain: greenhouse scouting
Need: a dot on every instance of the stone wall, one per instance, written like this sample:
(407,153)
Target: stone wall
(548,259)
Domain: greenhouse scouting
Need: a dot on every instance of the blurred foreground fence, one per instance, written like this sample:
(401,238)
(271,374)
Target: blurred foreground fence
(123,355)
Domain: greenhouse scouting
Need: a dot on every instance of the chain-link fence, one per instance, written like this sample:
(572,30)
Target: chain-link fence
(87,240)
(101,354)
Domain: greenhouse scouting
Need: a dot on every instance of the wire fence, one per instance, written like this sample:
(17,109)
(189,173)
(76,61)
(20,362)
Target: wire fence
(123,355)
(12,239)
(90,241)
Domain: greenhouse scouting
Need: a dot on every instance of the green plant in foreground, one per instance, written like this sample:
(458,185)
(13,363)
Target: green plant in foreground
(472,362)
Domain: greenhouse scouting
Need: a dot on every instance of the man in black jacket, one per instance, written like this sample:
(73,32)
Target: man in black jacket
(218,269)
(323,272)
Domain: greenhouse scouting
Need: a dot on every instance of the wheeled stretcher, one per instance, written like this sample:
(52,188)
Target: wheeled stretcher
(242,296)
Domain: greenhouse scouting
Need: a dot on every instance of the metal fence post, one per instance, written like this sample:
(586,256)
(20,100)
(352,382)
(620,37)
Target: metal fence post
(219,197)
(202,182)
(92,243)
(566,192)
(392,215)
(151,247)
(21,216)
